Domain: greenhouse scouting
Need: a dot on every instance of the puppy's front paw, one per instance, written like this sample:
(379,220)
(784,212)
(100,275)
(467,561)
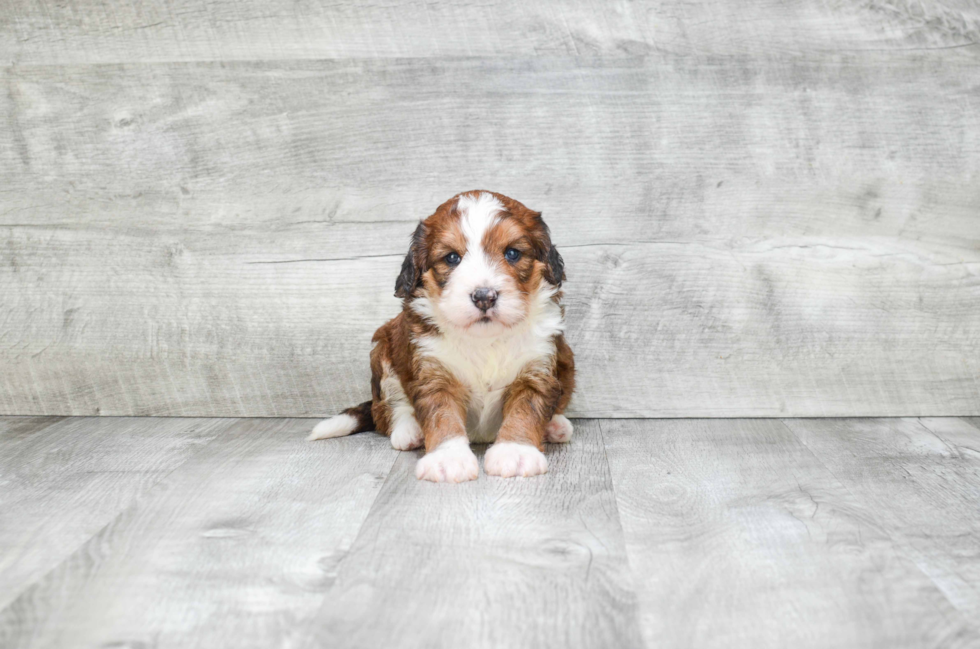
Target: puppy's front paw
(509,459)
(451,461)
(558,430)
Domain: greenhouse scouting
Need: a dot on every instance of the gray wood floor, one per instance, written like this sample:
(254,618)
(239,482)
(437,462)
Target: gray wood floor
(136,532)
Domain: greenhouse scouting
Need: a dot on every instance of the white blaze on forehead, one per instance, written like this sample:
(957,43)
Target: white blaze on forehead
(477,215)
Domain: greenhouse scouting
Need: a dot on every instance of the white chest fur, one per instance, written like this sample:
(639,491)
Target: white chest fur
(487,365)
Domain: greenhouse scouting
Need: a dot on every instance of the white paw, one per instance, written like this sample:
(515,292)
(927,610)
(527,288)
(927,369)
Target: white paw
(451,461)
(406,435)
(558,430)
(509,459)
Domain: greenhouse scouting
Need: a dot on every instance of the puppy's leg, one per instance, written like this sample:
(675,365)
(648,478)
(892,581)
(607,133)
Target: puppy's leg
(370,415)
(441,408)
(403,428)
(559,429)
(528,407)
(391,409)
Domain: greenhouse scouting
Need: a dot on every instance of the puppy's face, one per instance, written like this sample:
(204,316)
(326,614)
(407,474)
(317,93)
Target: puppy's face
(478,263)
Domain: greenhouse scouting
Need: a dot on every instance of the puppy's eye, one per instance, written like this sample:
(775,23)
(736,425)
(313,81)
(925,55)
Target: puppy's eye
(452,258)
(512,254)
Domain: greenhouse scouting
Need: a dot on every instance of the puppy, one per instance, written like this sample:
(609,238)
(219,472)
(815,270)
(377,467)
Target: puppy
(477,353)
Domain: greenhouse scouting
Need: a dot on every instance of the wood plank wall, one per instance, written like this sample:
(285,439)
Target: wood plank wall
(766,208)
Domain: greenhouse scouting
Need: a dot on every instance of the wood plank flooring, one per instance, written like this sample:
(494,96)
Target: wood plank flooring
(137,532)
(63,483)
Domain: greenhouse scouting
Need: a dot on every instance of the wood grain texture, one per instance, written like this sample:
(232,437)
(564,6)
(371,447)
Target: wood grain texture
(535,562)
(13,428)
(102,31)
(61,483)
(234,549)
(739,537)
(693,533)
(921,479)
(746,235)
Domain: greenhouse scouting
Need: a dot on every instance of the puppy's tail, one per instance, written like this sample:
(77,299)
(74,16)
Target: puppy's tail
(353,420)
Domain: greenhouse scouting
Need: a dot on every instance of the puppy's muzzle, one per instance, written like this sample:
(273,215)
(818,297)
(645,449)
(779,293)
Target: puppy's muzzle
(484,298)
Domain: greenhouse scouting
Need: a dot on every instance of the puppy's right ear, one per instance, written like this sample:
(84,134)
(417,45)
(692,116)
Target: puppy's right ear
(414,265)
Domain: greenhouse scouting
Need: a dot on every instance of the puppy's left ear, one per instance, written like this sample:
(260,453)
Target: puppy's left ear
(548,253)
(410,276)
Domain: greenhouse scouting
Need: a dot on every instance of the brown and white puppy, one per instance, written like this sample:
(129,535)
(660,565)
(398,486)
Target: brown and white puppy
(477,353)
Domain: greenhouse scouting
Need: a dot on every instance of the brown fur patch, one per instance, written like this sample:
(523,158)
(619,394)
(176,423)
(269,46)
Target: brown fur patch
(440,405)
(439,399)
(530,403)
(380,362)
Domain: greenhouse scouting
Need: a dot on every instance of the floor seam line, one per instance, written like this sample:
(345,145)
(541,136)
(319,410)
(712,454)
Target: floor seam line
(304,637)
(619,519)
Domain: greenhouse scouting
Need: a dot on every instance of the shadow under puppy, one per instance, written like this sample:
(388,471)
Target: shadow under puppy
(477,353)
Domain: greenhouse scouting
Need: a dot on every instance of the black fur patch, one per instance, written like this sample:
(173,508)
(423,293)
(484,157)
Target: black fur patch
(410,276)
(550,255)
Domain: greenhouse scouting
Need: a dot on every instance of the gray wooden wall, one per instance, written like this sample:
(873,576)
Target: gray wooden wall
(766,208)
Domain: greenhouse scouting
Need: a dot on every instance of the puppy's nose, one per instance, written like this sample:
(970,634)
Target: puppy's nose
(484,298)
